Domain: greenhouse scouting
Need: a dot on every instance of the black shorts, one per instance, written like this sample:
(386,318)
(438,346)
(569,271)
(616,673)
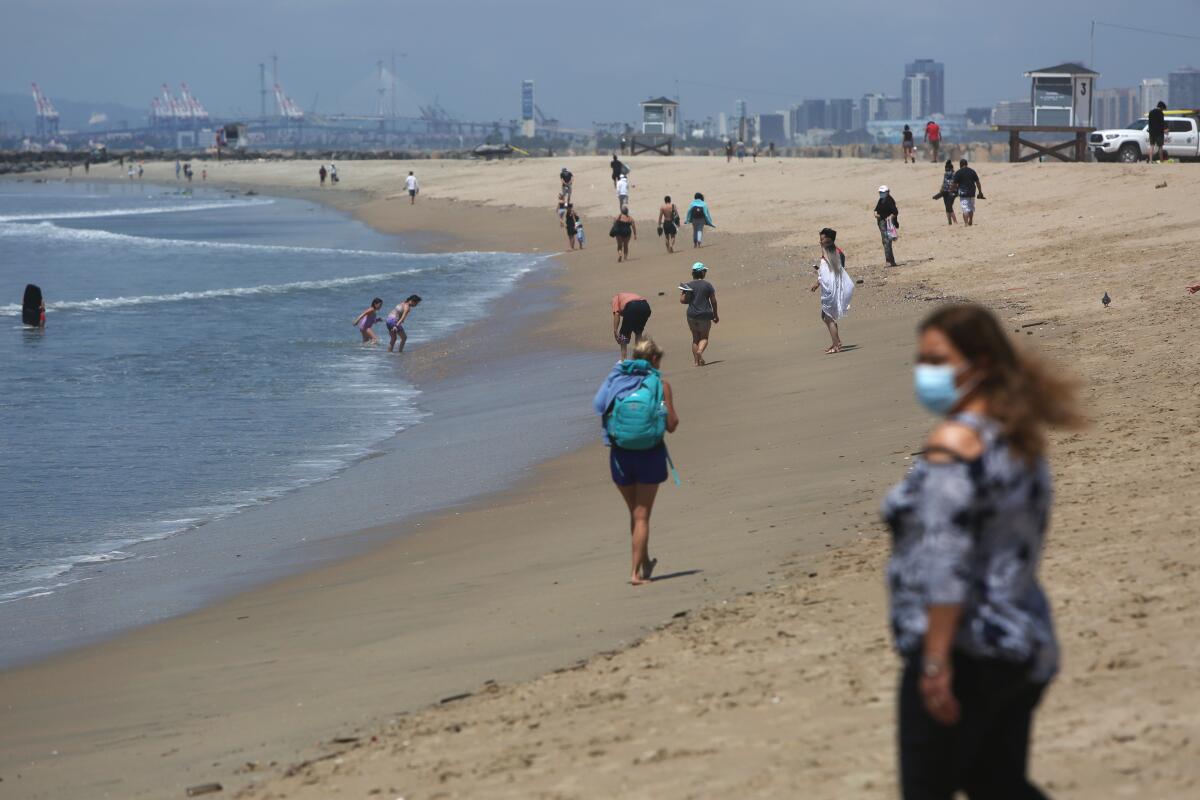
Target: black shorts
(669,228)
(634,317)
(948,200)
(1156,139)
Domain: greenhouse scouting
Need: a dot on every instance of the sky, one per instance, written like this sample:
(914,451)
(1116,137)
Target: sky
(590,62)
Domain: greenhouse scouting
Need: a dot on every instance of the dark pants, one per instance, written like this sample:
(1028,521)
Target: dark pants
(986,754)
(887,242)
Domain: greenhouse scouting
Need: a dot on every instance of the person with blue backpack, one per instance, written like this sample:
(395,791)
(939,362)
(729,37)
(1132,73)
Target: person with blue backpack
(637,411)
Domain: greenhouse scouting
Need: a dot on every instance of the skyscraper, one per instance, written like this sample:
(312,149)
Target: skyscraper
(1115,108)
(1183,88)
(924,97)
(1150,93)
(839,115)
(528,125)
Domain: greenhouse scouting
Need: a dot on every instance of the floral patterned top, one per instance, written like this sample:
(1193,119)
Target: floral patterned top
(971,533)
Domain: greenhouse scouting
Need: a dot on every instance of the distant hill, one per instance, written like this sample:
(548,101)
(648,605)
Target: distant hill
(16,113)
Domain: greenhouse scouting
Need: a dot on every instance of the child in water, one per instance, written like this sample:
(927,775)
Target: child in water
(367,319)
(395,321)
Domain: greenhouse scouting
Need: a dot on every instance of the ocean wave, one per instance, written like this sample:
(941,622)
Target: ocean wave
(48,230)
(136,211)
(106,303)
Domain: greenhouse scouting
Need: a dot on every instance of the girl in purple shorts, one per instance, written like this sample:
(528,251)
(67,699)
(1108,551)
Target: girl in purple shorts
(395,321)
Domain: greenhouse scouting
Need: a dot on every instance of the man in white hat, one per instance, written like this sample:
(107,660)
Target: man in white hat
(887,217)
(701,300)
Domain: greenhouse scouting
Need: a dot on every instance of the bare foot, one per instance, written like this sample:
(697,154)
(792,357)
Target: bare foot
(638,580)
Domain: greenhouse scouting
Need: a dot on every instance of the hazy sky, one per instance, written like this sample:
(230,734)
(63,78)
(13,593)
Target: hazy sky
(590,61)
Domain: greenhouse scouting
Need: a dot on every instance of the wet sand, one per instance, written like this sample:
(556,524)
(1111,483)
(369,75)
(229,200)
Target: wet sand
(785,454)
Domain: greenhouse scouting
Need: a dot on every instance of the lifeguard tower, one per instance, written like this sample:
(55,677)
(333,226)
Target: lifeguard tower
(659,123)
(1061,98)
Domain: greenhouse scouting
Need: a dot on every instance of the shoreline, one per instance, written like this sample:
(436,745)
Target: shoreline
(797,669)
(171,561)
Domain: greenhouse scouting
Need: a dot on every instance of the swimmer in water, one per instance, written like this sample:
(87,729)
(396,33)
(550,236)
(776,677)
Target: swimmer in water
(395,321)
(367,319)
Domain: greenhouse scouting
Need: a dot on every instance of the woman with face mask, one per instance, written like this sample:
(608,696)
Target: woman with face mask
(968,525)
(887,217)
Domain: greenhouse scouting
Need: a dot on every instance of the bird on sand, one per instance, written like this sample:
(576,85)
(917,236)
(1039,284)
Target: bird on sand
(1106,300)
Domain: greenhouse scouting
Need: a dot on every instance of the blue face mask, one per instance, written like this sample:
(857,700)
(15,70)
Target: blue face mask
(934,385)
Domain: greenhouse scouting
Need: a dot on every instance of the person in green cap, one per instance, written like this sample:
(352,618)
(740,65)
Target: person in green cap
(701,300)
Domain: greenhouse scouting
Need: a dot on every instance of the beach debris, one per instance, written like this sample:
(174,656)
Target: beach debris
(454,697)
(296,769)
(1162,185)
(1106,300)
(679,614)
(203,788)
(1035,324)
(344,739)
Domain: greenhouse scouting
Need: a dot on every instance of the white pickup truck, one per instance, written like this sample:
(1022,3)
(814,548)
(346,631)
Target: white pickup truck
(1132,144)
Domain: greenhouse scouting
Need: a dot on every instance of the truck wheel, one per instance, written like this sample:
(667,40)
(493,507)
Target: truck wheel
(1129,153)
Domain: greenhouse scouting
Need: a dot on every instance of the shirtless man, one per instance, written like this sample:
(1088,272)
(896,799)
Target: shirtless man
(667,216)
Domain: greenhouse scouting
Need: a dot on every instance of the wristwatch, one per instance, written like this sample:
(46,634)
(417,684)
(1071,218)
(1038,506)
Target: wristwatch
(932,668)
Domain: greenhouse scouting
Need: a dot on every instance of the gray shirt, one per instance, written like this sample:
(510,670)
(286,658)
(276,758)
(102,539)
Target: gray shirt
(700,305)
(970,533)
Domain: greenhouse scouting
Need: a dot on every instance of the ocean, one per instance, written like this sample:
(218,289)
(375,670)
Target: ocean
(199,373)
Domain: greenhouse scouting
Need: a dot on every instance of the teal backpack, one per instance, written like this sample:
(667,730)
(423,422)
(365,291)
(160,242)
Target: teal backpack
(638,421)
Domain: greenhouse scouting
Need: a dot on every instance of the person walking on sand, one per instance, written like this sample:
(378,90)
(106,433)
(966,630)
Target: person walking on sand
(410,183)
(698,216)
(909,146)
(562,210)
(622,191)
(333,176)
(887,217)
(701,300)
(566,179)
(668,222)
(580,236)
(728,151)
(617,169)
(178,169)
(947,193)
(571,222)
(321,174)
(968,522)
(933,138)
(741,151)
(966,183)
(631,312)
(637,410)
(367,320)
(395,322)
(623,227)
(836,286)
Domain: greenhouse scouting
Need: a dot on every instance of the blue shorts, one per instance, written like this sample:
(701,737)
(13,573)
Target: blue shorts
(638,466)
(392,325)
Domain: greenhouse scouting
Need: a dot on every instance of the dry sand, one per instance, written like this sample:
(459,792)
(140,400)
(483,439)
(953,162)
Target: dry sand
(778,681)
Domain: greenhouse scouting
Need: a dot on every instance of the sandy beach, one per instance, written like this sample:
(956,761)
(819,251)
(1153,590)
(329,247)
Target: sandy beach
(760,662)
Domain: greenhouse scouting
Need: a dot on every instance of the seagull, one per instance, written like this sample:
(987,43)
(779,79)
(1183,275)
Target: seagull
(1106,300)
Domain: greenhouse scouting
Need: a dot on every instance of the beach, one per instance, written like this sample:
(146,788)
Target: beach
(760,662)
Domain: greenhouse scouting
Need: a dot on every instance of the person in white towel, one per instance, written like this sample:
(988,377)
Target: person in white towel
(836,286)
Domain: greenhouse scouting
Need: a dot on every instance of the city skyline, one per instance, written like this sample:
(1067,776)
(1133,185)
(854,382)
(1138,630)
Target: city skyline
(474,70)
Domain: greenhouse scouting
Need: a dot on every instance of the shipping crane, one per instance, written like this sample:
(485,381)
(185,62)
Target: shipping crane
(47,114)
(175,109)
(287,108)
(198,112)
